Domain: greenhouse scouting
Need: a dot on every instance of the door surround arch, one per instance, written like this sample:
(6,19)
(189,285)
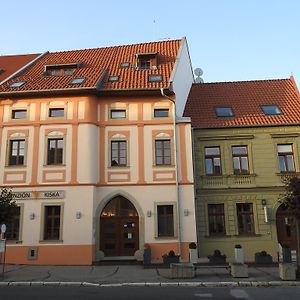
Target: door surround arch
(99,255)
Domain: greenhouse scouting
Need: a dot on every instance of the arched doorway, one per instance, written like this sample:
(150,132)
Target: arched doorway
(286,227)
(119,228)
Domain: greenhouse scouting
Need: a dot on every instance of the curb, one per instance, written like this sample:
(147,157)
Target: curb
(230,284)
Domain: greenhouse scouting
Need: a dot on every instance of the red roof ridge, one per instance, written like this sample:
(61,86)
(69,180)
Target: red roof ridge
(117,46)
(243,81)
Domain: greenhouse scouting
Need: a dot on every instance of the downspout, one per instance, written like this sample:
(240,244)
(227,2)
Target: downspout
(177,170)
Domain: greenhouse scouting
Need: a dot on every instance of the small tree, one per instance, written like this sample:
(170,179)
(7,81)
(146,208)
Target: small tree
(291,199)
(7,205)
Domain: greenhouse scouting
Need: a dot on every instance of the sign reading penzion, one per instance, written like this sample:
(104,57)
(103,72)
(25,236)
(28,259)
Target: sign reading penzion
(38,195)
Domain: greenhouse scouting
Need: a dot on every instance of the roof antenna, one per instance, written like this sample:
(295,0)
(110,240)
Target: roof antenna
(198,72)
(154,29)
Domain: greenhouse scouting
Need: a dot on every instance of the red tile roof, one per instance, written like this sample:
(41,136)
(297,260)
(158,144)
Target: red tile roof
(245,98)
(98,64)
(9,64)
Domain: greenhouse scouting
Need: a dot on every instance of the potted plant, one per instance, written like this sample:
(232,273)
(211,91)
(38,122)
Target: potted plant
(239,254)
(217,257)
(147,254)
(193,253)
(263,258)
(170,258)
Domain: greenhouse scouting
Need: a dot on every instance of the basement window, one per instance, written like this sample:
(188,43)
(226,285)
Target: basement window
(17,84)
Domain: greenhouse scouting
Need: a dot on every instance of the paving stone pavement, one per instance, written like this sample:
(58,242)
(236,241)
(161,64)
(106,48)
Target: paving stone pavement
(115,275)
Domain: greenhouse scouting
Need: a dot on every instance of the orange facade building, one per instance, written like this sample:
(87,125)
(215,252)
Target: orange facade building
(97,154)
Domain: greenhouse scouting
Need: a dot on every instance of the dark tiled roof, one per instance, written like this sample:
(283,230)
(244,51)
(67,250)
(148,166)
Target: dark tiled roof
(100,63)
(245,98)
(9,64)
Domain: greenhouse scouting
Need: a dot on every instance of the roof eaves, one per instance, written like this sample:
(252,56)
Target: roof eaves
(13,93)
(246,126)
(24,67)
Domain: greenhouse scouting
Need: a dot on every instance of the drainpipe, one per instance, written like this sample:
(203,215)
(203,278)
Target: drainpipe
(177,169)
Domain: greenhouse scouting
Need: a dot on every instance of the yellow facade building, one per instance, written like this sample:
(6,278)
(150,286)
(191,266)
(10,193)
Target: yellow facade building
(246,141)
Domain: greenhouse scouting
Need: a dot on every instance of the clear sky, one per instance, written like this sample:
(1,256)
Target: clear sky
(229,39)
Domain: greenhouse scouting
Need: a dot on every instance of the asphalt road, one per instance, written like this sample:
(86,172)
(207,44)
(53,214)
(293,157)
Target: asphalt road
(141,293)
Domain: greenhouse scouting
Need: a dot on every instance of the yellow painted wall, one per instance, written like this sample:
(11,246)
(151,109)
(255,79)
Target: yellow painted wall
(264,182)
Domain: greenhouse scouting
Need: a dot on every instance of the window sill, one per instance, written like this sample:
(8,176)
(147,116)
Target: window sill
(163,166)
(288,173)
(16,166)
(118,167)
(243,175)
(166,237)
(216,236)
(51,241)
(54,166)
(247,235)
(13,242)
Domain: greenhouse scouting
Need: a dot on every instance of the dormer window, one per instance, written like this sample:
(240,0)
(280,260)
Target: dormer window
(77,80)
(125,64)
(113,78)
(271,110)
(145,64)
(155,78)
(17,84)
(61,69)
(223,112)
(146,61)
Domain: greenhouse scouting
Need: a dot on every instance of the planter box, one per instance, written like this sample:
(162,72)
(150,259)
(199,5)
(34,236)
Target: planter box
(217,259)
(171,260)
(239,255)
(147,256)
(182,271)
(267,259)
(287,271)
(238,270)
(193,254)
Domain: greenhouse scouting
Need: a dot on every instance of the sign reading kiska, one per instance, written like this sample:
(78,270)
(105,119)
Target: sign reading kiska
(38,195)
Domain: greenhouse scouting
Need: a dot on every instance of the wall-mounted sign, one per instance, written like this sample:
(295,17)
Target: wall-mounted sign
(38,195)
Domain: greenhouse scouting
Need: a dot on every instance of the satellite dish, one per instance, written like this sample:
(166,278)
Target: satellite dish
(198,72)
(199,80)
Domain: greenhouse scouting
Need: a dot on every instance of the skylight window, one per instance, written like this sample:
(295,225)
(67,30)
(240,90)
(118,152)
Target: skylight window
(271,110)
(224,111)
(113,78)
(125,64)
(77,80)
(17,84)
(155,78)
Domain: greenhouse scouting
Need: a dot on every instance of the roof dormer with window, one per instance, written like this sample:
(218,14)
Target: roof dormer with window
(61,69)
(146,61)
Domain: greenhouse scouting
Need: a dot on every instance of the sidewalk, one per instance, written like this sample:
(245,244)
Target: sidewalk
(134,275)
